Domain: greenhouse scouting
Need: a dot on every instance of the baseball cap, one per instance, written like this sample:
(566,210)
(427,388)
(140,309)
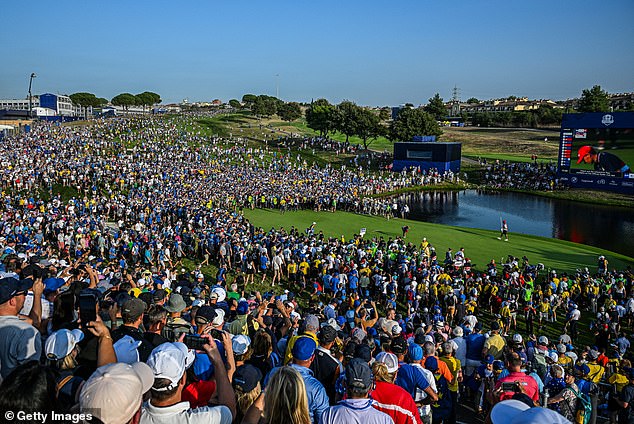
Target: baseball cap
(415,352)
(593,354)
(246,378)
(219,292)
(363,351)
(170,360)
(206,314)
(517,338)
(458,331)
(304,348)
(333,323)
(126,349)
(583,151)
(543,340)
(159,295)
(132,309)
(52,284)
(220,317)
(114,392)
(398,345)
(240,344)
(389,359)
(327,334)
(495,325)
(513,411)
(175,304)
(561,348)
(10,287)
(489,359)
(431,363)
(61,343)
(243,308)
(358,374)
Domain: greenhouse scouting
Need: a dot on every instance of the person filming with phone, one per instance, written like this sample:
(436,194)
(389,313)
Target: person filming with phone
(517,383)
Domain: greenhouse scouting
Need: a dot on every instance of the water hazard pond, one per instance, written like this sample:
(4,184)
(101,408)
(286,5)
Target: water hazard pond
(607,227)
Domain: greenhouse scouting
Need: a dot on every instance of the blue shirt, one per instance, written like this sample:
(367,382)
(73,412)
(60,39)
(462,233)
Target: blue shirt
(355,411)
(475,343)
(318,400)
(410,378)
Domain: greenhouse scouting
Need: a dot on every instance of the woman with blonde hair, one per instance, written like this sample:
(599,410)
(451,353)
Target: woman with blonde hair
(284,401)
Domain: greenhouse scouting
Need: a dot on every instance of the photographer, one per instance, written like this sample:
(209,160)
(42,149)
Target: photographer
(516,382)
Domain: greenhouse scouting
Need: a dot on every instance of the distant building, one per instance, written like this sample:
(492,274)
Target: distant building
(503,105)
(47,104)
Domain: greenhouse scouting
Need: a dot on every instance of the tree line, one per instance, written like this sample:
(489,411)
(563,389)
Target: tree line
(147,98)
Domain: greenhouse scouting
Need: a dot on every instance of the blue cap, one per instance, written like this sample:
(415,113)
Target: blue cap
(341,320)
(53,284)
(583,369)
(350,315)
(9,287)
(489,359)
(304,348)
(243,308)
(415,352)
(431,363)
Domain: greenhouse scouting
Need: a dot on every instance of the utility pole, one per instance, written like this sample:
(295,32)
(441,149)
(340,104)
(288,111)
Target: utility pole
(30,96)
(277,86)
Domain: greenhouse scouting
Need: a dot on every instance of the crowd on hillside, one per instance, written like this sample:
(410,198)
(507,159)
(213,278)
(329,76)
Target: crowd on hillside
(105,312)
(522,175)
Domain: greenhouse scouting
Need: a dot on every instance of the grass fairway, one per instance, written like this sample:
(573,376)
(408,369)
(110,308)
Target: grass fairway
(480,245)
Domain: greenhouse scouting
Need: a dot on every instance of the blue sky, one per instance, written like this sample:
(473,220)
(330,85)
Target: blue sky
(371,52)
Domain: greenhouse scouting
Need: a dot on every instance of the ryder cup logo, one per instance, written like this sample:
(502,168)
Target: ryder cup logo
(607,120)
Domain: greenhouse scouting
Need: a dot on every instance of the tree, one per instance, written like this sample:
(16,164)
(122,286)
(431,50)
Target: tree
(147,98)
(385,113)
(413,122)
(368,126)
(235,104)
(289,111)
(249,99)
(473,100)
(102,101)
(345,118)
(436,107)
(594,100)
(125,100)
(265,105)
(320,117)
(85,99)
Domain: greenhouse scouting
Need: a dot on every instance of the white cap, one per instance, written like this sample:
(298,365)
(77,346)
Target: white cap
(114,392)
(396,329)
(126,349)
(170,360)
(141,282)
(543,340)
(458,331)
(389,359)
(517,338)
(222,294)
(240,344)
(429,338)
(220,317)
(333,323)
(513,411)
(61,343)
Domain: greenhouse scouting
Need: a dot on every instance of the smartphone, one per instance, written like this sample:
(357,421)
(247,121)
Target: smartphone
(216,334)
(195,342)
(87,308)
(509,387)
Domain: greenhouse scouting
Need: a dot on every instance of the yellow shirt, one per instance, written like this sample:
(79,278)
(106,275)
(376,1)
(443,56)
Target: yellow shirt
(454,366)
(495,344)
(565,361)
(544,307)
(596,372)
(618,380)
(505,312)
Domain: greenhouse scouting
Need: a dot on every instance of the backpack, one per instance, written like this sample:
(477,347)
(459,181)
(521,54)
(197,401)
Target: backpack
(539,364)
(584,408)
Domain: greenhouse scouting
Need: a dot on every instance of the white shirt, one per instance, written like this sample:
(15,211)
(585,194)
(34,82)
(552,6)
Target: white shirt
(420,394)
(181,413)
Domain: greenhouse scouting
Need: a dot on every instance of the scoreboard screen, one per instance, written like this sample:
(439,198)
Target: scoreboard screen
(596,151)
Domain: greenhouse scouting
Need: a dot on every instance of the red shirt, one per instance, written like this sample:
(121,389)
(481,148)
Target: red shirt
(198,393)
(528,383)
(396,402)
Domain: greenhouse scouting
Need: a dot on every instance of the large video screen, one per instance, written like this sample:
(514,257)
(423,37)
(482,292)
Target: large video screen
(597,151)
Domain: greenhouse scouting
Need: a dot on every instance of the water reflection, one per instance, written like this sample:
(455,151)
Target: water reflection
(602,226)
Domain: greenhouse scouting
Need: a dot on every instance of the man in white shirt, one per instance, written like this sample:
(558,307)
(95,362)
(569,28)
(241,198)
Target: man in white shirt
(169,362)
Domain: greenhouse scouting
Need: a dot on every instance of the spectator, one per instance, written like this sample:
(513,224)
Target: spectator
(285,401)
(246,384)
(41,396)
(19,341)
(113,394)
(357,407)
